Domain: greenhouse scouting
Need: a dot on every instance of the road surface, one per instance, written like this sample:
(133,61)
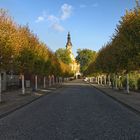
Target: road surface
(77,111)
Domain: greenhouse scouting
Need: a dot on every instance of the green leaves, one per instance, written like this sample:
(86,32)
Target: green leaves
(63,55)
(85,57)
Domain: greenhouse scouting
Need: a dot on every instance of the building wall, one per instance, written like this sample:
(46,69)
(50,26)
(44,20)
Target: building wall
(75,67)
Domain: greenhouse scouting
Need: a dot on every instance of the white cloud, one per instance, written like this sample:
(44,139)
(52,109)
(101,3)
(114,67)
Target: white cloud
(83,6)
(52,18)
(66,11)
(40,18)
(55,21)
(57,27)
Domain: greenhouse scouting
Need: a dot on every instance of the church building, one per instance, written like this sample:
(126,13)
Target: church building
(75,66)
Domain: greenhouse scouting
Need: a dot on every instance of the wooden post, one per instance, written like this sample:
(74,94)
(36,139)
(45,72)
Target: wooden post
(44,82)
(53,80)
(109,82)
(127,83)
(56,80)
(0,88)
(116,87)
(98,80)
(101,80)
(36,82)
(49,80)
(23,85)
(105,80)
(113,81)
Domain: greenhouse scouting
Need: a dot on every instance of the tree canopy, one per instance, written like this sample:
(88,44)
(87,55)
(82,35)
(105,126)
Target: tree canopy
(63,55)
(21,50)
(122,53)
(85,57)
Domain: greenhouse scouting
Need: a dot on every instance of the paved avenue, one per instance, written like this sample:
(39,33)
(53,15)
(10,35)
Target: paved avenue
(76,112)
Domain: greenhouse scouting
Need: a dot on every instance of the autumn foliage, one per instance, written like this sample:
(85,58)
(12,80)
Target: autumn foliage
(122,53)
(21,50)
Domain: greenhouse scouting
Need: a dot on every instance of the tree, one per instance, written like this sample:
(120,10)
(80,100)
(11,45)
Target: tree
(63,55)
(8,30)
(22,52)
(85,57)
(122,54)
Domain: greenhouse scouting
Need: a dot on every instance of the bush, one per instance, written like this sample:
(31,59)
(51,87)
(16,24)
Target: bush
(132,83)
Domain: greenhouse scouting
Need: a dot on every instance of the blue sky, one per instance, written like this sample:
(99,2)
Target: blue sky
(90,22)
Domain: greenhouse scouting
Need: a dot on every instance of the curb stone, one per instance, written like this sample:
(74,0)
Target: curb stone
(119,101)
(24,104)
(19,107)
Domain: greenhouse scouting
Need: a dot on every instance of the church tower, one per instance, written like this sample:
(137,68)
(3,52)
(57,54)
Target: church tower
(69,44)
(75,67)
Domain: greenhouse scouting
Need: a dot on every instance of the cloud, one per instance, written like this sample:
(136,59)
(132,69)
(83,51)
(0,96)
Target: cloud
(55,21)
(83,6)
(66,11)
(57,27)
(40,18)
(52,18)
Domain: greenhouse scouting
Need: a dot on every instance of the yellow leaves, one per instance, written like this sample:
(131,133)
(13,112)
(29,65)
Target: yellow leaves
(30,55)
(122,53)
(65,68)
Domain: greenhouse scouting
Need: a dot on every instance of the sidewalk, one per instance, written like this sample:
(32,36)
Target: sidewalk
(13,100)
(131,100)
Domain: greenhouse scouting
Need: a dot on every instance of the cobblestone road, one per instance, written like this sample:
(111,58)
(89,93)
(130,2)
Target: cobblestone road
(75,112)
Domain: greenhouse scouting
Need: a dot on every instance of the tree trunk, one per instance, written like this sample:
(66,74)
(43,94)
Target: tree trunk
(0,89)
(36,82)
(127,83)
(23,85)
(60,80)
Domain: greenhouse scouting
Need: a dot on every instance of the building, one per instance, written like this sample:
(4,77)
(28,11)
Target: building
(74,65)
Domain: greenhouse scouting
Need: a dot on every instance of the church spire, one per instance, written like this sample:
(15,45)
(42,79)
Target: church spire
(69,44)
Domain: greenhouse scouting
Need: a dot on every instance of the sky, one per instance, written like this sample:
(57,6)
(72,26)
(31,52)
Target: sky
(91,23)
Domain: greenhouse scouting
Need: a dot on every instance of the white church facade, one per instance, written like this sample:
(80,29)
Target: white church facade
(74,65)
